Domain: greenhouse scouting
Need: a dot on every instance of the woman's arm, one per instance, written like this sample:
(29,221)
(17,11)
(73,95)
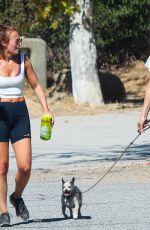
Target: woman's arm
(37,88)
(145,108)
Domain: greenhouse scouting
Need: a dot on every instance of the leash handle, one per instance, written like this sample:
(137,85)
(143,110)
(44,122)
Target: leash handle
(147,126)
(147,121)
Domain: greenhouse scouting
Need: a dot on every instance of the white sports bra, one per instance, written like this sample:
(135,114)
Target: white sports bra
(12,87)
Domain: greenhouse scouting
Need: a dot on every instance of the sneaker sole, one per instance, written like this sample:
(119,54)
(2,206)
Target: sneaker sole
(5,225)
(25,219)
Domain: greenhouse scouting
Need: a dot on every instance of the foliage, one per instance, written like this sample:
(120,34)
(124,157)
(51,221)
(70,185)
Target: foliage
(52,10)
(35,18)
(122,29)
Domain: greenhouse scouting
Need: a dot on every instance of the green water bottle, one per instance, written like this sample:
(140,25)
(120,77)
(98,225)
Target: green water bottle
(46,128)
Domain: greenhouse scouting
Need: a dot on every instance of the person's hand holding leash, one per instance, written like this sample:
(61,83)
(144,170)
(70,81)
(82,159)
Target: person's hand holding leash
(141,124)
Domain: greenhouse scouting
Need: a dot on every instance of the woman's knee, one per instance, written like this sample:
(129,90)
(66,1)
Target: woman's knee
(25,169)
(3,168)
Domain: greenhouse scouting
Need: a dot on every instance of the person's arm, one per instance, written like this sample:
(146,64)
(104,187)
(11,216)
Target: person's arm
(145,108)
(37,88)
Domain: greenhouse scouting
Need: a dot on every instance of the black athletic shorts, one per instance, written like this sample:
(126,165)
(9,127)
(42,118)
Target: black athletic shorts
(14,122)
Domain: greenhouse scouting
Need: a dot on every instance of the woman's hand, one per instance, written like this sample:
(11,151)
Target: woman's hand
(141,124)
(52,120)
(52,116)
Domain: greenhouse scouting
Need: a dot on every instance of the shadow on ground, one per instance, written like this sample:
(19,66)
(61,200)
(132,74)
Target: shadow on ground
(135,152)
(97,154)
(49,220)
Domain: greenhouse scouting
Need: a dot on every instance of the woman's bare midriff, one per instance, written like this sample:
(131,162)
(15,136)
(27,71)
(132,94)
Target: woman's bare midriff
(12,100)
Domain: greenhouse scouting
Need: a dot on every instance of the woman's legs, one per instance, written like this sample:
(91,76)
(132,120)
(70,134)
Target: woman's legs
(4,163)
(23,155)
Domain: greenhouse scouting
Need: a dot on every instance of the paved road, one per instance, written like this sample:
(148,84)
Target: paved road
(86,140)
(79,145)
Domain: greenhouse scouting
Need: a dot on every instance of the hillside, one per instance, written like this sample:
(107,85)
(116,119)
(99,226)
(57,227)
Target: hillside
(133,77)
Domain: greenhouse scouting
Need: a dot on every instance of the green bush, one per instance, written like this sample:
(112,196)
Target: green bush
(121,29)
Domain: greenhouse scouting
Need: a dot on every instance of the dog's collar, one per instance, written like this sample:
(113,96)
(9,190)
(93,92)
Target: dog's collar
(67,197)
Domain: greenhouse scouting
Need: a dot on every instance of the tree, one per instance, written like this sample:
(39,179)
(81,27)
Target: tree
(85,82)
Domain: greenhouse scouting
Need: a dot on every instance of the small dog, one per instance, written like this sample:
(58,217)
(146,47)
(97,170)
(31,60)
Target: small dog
(71,198)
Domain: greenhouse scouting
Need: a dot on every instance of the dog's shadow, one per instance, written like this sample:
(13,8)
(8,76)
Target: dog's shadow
(49,220)
(85,217)
(81,217)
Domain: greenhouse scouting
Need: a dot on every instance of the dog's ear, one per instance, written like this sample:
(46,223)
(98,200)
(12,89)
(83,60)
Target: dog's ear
(63,181)
(73,180)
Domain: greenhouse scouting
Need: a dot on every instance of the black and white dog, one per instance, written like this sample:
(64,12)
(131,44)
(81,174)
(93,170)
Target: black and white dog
(71,198)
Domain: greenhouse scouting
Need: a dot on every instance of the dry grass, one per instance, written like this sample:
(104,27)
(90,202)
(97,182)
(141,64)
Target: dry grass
(134,79)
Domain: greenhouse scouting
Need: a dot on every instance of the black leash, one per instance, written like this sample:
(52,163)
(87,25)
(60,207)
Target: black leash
(147,126)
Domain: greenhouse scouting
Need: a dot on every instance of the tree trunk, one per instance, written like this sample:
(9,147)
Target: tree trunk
(85,82)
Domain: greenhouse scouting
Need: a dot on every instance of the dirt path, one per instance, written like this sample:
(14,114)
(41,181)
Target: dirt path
(121,173)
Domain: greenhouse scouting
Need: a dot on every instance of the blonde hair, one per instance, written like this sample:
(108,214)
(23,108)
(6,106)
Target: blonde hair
(5,32)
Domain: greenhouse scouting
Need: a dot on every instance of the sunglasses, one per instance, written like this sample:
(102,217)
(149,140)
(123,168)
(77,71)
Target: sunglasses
(19,41)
